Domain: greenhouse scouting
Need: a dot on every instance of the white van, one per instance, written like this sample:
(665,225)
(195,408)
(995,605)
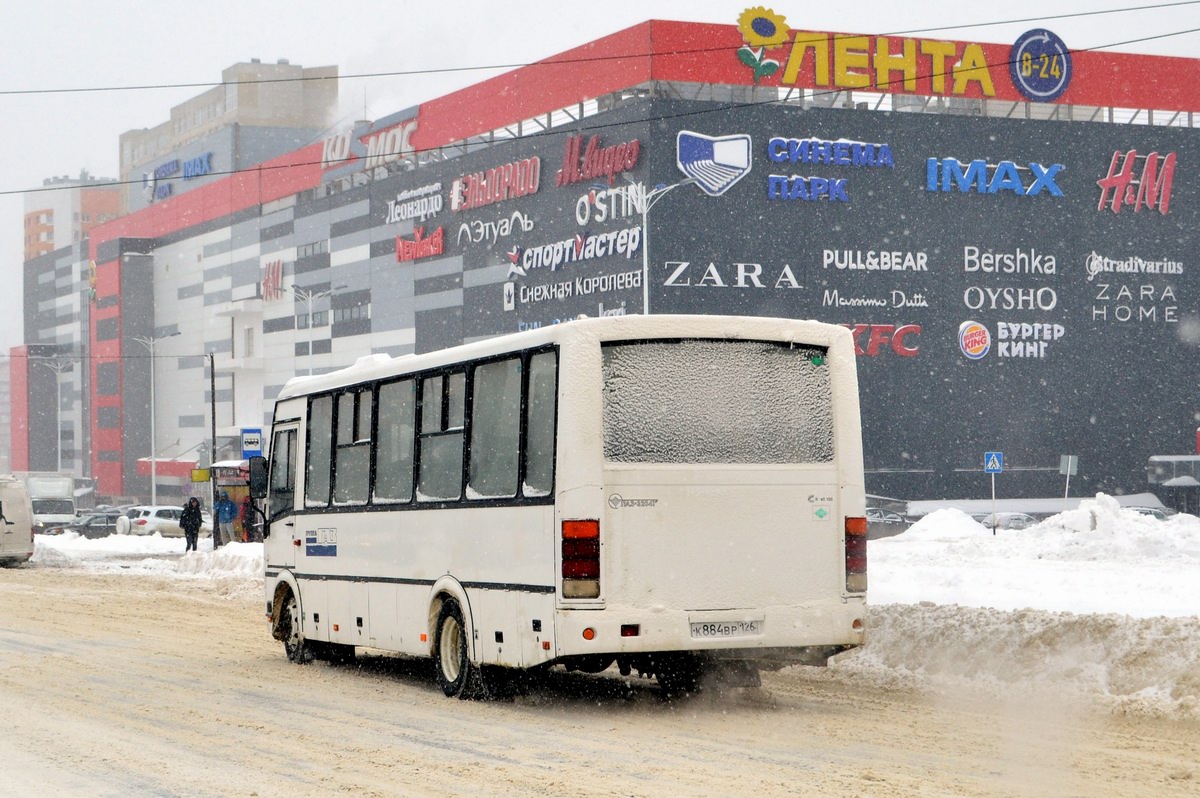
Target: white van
(16,522)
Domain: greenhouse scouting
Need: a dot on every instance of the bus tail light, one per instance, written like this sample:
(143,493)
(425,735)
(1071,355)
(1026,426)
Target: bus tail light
(581,559)
(856,554)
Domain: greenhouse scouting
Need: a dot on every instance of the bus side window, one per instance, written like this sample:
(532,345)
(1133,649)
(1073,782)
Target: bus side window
(540,408)
(283,473)
(394,447)
(320,451)
(443,400)
(352,463)
(495,430)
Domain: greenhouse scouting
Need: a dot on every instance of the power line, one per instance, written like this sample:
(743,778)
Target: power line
(573,130)
(566,61)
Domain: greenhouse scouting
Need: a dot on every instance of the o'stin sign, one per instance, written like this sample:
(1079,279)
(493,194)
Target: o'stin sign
(974,339)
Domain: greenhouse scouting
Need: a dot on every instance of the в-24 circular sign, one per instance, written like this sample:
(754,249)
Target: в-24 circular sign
(1040,65)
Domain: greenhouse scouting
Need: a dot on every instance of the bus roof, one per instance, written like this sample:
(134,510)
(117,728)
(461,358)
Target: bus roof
(378,366)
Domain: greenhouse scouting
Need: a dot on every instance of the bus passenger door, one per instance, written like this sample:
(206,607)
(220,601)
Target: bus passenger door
(280,550)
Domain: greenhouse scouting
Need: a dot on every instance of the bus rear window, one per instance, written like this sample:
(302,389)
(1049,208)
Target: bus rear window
(697,401)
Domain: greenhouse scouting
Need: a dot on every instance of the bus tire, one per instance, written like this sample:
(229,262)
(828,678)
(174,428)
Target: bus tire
(298,649)
(456,674)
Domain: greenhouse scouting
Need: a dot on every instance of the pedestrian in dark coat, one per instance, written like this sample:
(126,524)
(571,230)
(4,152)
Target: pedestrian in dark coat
(191,521)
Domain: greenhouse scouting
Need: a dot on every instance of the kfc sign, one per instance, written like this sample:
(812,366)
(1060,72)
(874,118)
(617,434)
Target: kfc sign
(869,339)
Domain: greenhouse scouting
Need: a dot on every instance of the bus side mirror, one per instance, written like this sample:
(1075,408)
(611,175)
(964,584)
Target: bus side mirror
(258,477)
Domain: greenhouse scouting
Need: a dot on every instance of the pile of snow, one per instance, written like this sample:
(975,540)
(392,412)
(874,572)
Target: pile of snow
(151,554)
(1100,558)
(1099,601)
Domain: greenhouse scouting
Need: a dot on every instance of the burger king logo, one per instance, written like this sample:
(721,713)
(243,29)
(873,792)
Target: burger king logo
(974,339)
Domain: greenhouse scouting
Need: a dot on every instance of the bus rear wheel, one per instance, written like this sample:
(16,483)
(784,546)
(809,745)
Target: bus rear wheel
(456,675)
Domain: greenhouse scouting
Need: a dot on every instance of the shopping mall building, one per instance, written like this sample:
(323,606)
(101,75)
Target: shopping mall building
(1009,230)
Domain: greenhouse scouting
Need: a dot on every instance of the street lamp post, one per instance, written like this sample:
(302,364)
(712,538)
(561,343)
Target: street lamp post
(58,367)
(647,201)
(308,297)
(149,342)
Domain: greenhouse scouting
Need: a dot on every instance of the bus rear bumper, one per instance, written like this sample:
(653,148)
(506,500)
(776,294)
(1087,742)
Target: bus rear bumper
(773,637)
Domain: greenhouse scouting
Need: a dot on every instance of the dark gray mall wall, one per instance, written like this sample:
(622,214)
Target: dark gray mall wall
(1111,391)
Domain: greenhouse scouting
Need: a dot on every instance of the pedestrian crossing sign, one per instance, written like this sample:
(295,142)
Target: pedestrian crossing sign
(993,462)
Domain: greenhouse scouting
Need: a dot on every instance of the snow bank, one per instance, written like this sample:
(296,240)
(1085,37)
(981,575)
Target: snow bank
(1147,666)
(151,554)
(1100,558)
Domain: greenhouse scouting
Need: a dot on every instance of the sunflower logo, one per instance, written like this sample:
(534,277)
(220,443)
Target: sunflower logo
(762,29)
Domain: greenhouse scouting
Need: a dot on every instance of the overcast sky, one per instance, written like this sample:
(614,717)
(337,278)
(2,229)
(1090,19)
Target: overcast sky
(73,44)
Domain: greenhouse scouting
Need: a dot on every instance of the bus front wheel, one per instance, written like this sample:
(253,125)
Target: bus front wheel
(455,672)
(294,644)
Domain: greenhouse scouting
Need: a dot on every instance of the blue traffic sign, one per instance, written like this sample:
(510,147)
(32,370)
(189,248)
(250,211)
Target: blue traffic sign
(993,462)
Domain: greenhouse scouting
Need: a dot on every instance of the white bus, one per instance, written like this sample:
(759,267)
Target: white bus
(672,494)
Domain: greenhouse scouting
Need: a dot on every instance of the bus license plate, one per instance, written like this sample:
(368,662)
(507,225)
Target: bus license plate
(726,628)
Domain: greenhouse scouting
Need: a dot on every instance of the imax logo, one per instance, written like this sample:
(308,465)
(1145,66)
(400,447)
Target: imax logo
(714,162)
(980,177)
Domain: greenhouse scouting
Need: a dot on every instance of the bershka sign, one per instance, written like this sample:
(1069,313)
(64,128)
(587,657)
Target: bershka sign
(421,246)
(1019,261)
(417,203)
(1149,188)
(512,180)
(593,161)
(980,177)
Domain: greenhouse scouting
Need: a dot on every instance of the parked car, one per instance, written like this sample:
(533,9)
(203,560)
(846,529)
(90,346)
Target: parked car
(1008,521)
(147,519)
(1153,512)
(94,525)
(884,523)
